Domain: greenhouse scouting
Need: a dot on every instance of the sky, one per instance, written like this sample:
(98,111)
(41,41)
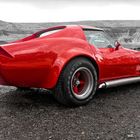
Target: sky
(68,10)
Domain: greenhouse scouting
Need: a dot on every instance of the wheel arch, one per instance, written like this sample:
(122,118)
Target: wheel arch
(59,66)
(63,59)
(92,60)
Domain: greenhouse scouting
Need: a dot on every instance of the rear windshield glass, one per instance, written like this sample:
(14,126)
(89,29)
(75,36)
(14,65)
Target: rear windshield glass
(49,32)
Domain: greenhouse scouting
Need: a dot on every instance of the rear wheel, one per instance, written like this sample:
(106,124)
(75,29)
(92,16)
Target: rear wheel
(77,83)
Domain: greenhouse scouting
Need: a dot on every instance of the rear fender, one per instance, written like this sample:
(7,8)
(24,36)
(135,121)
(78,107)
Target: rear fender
(61,62)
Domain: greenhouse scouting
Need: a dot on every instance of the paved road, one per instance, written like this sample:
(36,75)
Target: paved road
(35,115)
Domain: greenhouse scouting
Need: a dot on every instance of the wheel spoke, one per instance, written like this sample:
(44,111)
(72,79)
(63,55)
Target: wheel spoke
(75,88)
(82,82)
(78,74)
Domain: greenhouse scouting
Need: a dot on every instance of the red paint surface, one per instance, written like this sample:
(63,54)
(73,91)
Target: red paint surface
(38,62)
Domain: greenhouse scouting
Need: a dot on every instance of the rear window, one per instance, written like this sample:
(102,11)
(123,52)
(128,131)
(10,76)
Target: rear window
(49,32)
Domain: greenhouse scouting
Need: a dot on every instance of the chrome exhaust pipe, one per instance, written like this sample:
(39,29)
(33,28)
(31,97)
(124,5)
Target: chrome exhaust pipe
(119,82)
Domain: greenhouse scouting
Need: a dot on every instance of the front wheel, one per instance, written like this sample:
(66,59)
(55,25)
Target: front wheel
(77,83)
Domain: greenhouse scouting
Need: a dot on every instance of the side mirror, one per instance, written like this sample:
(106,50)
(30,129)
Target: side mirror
(117,45)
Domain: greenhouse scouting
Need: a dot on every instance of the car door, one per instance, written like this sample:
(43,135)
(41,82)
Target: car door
(114,63)
(135,53)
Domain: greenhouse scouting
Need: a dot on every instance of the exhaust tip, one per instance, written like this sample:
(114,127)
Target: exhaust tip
(102,85)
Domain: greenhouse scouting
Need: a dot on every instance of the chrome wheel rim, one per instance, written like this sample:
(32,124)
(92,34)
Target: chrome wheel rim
(82,83)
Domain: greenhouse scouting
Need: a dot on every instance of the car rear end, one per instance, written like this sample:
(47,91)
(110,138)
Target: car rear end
(5,56)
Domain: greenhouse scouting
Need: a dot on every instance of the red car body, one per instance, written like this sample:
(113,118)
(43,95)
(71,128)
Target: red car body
(38,61)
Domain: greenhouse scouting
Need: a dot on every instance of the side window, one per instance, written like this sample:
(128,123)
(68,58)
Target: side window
(99,39)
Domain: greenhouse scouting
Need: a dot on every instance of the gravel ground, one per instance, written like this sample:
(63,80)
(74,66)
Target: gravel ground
(114,114)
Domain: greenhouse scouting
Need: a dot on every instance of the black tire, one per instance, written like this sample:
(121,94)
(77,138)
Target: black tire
(64,91)
(23,89)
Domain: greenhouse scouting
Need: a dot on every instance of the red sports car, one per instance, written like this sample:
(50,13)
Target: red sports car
(73,61)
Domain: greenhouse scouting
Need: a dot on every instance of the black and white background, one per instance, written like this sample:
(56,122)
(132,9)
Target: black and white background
(114,113)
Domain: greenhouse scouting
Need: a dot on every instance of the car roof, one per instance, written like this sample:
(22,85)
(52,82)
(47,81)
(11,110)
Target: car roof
(86,27)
